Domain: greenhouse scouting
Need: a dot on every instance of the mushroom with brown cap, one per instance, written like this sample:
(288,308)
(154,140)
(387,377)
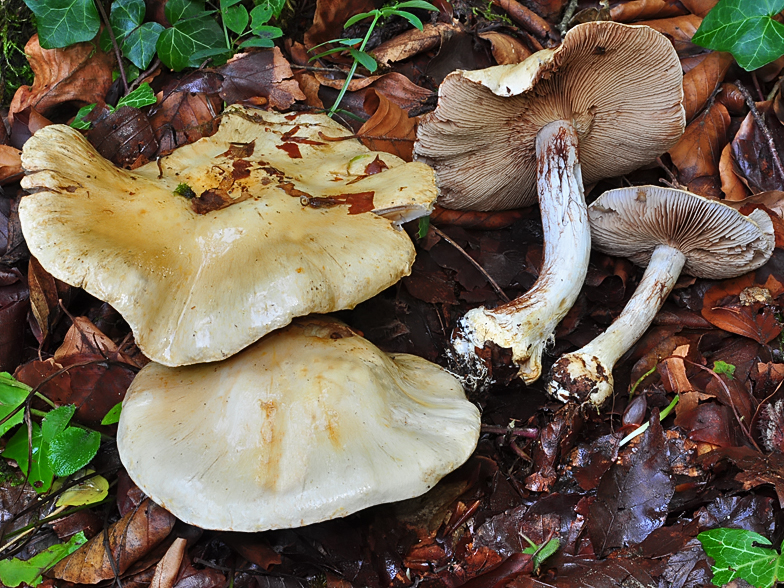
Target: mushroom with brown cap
(310,423)
(668,231)
(610,93)
(286,221)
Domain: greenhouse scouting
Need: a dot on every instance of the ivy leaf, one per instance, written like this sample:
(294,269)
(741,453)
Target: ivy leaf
(745,29)
(177,10)
(40,475)
(364,59)
(12,395)
(14,572)
(139,45)
(126,15)
(275,6)
(141,96)
(177,44)
(72,449)
(113,416)
(219,55)
(78,122)
(56,421)
(236,18)
(264,36)
(260,15)
(736,555)
(64,22)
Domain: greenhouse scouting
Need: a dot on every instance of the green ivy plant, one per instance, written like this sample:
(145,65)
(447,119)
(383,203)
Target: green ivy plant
(198,31)
(141,96)
(738,553)
(745,29)
(358,54)
(51,448)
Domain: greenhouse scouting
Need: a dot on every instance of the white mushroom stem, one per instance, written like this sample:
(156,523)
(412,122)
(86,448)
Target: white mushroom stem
(585,375)
(526,324)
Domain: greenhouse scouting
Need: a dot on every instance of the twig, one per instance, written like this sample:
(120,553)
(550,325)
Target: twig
(571,8)
(324,69)
(527,432)
(526,18)
(156,63)
(760,95)
(107,23)
(495,286)
(762,126)
(673,183)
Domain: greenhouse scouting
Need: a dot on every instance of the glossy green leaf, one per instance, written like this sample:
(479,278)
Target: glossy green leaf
(177,10)
(357,17)
(140,97)
(263,42)
(56,421)
(218,55)
(722,367)
(139,46)
(364,59)
(126,15)
(90,491)
(260,15)
(328,52)
(14,572)
(276,6)
(72,449)
(745,29)
(113,416)
(41,475)
(236,18)
(78,122)
(64,22)
(549,549)
(415,4)
(737,554)
(177,44)
(224,4)
(12,394)
(414,20)
(267,32)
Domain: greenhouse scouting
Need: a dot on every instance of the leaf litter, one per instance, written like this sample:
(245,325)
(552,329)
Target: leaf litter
(622,515)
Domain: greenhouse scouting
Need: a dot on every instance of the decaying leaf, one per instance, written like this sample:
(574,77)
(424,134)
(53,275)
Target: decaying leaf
(129,539)
(752,152)
(389,128)
(10,164)
(700,82)
(645,9)
(263,73)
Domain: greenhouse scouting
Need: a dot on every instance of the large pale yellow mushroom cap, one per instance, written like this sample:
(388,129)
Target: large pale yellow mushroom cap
(310,423)
(272,235)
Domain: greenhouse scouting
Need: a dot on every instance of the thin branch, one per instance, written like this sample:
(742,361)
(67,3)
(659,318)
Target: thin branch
(107,23)
(495,286)
(762,126)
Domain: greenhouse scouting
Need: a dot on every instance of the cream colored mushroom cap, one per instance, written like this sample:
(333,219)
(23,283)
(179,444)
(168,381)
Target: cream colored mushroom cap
(310,423)
(200,287)
(717,240)
(619,85)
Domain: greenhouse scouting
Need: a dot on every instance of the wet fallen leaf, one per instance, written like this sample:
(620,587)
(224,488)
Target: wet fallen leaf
(125,137)
(411,43)
(753,155)
(167,569)
(14,304)
(632,499)
(265,74)
(44,297)
(721,306)
(81,73)
(329,18)
(506,49)
(699,7)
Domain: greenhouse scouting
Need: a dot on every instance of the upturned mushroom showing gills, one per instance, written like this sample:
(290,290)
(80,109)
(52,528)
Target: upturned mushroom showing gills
(281,221)
(603,103)
(668,231)
(310,423)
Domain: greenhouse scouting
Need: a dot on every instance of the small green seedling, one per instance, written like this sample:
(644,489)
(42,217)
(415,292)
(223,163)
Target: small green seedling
(141,96)
(541,552)
(644,427)
(358,54)
(738,553)
(14,572)
(745,29)
(113,416)
(722,367)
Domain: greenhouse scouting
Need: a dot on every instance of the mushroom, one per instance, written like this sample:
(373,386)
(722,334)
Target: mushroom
(310,423)
(284,221)
(612,94)
(669,231)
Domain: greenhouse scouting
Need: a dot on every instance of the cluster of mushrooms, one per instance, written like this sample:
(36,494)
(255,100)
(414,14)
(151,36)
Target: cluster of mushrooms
(255,413)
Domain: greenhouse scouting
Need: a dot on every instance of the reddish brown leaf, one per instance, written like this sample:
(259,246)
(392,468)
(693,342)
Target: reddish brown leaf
(645,9)
(14,297)
(411,43)
(481,221)
(169,566)
(81,73)
(130,538)
(731,185)
(10,164)
(699,7)
(26,122)
(125,137)
(86,521)
(44,297)
(292,149)
(389,128)
(329,18)
(265,74)
(700,82)
(752,153)
(722,307)
(526,18)
(506,49)
(182,116)
(679,30)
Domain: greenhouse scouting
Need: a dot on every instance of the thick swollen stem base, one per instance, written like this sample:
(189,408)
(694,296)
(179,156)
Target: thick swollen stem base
(526,324)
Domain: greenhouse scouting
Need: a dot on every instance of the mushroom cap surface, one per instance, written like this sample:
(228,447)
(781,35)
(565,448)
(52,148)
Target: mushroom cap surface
(717,240)
(310,423)
(271,236)
(619,85)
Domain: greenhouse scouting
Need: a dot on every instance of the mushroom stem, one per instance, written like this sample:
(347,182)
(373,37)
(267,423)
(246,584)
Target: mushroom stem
(526,324)
(586,374)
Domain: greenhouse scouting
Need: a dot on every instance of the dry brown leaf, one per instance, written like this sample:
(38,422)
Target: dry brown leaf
(411,43)
(167,569)
(329,18)
(506,49)
(337,79)
(722,308)
(396,87)
(700,82)
(732,98)
(679,30)
(44,297)
(10,164)
(266,74)
(310,87)
(731,185)
(773,200)
(81,73)
(646,9)
(697,153)
(752,153)
(547,8)
(129,539)
(387,123)
(26,122)
(526,18)
(673,371)
(124,137)
(699,7)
